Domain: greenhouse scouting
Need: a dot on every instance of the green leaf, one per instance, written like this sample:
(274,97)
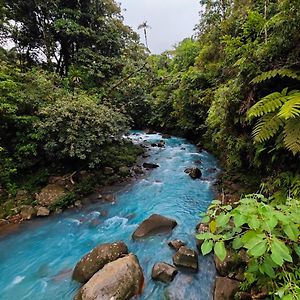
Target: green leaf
(254,223)
(259,249)
(292,231)
(207,247)
(239,220)
(237,243)
(222,219)
(280,252)
(205,219)
(220,250)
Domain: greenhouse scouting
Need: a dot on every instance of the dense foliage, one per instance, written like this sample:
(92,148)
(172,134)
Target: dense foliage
(269,231)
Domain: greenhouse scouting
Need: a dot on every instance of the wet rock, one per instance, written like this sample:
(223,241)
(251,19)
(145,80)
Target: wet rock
(225,267)
(108,171)
(154,145)
(78,204)
(166,136)
(225,288)
(186,258)
(259,293)
(145,155)
(149,131)
(161,144)
(124,171)
(42,212)
(121,279)
(109,198)
(27,212)
(97,259)
(58,211)
(138,170)
(163,272)
(176,244)
(153,225)
(50,194)
(150,165)
(194,173)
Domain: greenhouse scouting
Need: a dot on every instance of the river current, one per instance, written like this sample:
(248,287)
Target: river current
(37,261)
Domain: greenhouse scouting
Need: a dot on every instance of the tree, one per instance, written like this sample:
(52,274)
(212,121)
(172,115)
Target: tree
(144,26)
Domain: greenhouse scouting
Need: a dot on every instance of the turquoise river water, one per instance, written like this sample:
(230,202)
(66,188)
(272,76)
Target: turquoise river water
(37,261)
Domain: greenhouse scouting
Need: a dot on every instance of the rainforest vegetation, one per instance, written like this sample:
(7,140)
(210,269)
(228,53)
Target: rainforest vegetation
(76,79)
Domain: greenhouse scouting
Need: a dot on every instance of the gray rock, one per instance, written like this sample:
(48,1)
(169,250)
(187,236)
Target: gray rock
(50,194)
(121,279)
(155,224)
(97,259)
(186,258)
(163,272)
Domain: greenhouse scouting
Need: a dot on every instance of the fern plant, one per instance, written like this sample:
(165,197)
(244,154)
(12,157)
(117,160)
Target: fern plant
(278,113)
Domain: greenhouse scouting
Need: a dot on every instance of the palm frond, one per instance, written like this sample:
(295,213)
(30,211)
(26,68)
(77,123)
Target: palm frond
(266,105)
(267,127)
(277,72)
(292,135)
(291,107)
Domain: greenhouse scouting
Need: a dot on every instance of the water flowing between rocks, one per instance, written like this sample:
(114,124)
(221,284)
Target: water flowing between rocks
(37,261)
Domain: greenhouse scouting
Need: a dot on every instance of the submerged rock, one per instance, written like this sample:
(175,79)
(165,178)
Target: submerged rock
(153,225)
(161,144)
(97,259)
(194,173)
(50,194)
(225,288)
(176,244)
(186,258)
(121,279)
(150,165)
(163,272)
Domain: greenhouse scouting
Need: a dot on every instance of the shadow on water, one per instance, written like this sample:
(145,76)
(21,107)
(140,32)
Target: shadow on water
(36,262)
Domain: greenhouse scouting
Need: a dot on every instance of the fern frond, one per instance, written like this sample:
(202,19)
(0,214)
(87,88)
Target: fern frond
(266,105)
(273,73)
(291,107)
(266,128)
(292,135)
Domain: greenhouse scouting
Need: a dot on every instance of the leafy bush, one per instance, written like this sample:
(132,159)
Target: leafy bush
(78,128)
(270,234)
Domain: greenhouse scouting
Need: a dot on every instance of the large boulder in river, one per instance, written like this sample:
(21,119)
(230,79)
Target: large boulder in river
(225,288)
(186,258)
(194,173)
(50,194)
(163,272)
(121,279)
(176,244)
(153,225)
(97,259)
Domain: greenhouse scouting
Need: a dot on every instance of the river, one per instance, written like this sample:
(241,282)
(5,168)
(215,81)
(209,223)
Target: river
(36,262)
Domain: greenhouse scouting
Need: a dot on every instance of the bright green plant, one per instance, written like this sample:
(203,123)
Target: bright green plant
(278,112)
(269,233)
